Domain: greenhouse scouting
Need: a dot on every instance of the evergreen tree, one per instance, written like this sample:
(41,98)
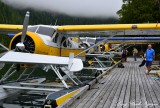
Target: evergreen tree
(11,15)
(139,11)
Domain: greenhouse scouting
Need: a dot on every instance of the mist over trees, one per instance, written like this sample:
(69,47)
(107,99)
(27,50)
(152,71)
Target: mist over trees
(10,15)
(132,11)
(140,11)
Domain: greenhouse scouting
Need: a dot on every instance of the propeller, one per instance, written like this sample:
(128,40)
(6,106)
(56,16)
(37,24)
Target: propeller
(20,46)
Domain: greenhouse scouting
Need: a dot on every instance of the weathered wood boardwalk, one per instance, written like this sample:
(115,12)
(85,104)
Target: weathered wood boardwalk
(127,87)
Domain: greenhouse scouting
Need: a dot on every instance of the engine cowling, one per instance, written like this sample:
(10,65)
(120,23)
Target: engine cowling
(33,43)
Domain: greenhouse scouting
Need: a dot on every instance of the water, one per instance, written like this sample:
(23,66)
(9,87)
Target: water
(34,99)
(24,100)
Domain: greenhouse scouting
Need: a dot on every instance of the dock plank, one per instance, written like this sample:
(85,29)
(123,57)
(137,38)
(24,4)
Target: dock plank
(132,100)
(138,92)
(141,89)
(89,98)
(127,87)
(128,90)
(113,98)
(152,93)
(108,91)
(105,78)
(120,102)
(156,87)
(100,94)
(146,89)
(107,86)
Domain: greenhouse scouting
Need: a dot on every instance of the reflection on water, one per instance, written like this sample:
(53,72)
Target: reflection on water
(24,100)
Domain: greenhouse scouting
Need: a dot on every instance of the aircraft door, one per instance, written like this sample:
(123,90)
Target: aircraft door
(68,46)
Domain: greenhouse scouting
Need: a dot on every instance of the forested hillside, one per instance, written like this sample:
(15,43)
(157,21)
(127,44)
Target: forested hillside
(10,15)
(140,11)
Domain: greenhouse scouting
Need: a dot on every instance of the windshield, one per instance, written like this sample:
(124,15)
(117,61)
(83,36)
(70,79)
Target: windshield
(45,31)
(32,29)
(91,40)
(83,39)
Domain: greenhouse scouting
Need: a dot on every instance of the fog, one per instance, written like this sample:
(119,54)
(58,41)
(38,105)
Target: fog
(79,8)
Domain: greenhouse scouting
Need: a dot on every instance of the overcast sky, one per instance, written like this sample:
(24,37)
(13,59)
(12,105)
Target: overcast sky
(83,8)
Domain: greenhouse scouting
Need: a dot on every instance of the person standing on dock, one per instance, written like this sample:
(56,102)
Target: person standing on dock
(149,56)
(135,52)
(124,55)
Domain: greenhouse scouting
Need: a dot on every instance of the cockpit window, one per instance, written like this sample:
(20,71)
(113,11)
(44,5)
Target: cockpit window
(32,29)
(91,40)
(45,31)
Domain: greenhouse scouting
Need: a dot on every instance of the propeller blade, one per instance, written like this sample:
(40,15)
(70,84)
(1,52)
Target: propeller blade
(25,26)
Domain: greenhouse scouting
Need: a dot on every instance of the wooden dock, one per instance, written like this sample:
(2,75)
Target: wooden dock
(127,87)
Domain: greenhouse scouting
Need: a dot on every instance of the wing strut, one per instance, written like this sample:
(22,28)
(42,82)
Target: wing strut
(94,46)
(59,75)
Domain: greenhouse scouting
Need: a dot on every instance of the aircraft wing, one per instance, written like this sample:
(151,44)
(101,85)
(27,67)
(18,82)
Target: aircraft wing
(108,27)
(28,58)
(102,27)
(7,28)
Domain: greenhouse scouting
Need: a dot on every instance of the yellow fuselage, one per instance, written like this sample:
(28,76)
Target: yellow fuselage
(42,48)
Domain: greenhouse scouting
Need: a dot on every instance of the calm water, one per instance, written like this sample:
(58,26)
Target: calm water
(36,99)
(23,100)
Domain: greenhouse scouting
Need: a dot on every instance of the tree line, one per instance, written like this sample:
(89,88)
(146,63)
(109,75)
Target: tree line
(10,15)
(132,11)
(140,11)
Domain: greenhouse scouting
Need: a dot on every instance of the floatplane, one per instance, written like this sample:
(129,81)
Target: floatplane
(52,48)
